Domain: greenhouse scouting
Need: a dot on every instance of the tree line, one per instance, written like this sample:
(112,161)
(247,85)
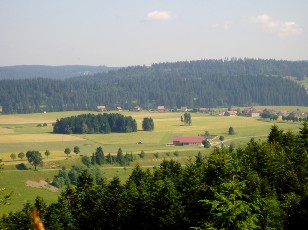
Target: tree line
(91,123)
(204,83)
(55,72)
(92,165)
(262,185)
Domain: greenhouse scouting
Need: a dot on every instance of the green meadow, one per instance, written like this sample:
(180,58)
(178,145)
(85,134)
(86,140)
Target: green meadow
(20,133)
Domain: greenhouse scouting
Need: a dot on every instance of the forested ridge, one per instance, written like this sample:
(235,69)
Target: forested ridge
(263,185)
(44,71)
(204,83)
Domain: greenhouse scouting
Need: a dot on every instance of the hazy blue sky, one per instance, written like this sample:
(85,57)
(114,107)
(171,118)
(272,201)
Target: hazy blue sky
(137,32)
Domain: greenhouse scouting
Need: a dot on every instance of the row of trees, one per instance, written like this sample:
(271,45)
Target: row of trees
(262,185)
(91,123)
(268,115)
(292,117)
(207,83)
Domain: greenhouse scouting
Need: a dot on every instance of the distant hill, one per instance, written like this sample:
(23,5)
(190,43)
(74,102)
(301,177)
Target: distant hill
(53,72)
(195,84)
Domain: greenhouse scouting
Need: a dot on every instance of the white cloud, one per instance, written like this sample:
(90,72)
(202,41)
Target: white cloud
(159,15)
(281,29)
(225,25)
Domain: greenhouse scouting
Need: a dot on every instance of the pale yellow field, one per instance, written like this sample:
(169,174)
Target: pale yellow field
(6,131)
(45,137)
(16,136)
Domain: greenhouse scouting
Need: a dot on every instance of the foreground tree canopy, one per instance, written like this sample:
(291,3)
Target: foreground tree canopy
(204,83)
(263,185)
(90,123)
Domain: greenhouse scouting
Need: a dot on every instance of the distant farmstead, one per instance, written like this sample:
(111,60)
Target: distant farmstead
(188,140)
(160,108)
(101,107)
(1,109)
(137,108)
(230,113)
(203,110)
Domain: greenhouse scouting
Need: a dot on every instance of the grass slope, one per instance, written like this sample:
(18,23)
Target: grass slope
(19,133)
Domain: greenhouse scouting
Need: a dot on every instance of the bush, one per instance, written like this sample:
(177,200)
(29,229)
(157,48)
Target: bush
(142,154)
(21,166)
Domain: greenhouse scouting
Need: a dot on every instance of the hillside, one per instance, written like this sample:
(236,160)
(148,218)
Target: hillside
(55,72)
(205,83)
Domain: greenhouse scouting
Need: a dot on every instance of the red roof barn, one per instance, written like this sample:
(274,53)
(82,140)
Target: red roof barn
(180,141)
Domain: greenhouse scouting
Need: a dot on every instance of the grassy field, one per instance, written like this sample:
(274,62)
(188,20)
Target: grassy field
(20,133)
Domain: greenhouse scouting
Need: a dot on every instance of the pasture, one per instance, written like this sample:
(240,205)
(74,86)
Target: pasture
(20,133)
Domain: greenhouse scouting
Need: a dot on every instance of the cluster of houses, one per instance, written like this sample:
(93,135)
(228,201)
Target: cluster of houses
(248,112)
(255,112)
(160,108)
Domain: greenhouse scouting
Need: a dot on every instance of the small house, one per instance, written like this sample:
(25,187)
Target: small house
(161,108)
(137,108)
(184,109)
(101,107)
(230,113)
(203,110)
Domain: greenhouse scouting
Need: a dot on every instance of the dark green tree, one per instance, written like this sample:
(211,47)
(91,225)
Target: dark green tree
(231,131)
(147,124)
(206,144)
(99,156)
(13,156)
(21,155)
(67,151)
(86,161)
(221,138)
(76,150)
(187,119)
(142,154)
(275,135)
(47,153)
(35,158)
(120,158)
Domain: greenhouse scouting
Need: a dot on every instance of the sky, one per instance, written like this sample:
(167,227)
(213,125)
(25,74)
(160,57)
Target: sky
(122,33)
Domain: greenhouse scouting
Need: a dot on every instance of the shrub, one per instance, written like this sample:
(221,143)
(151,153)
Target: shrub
(21,166)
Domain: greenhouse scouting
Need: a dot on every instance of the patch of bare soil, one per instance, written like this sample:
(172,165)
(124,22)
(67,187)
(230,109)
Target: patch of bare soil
(41,184)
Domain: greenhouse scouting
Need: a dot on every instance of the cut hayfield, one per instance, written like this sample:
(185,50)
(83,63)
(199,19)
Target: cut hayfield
(6,131)
(45,137)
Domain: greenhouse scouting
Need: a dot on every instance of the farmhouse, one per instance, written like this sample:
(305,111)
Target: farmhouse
(119,108)
(1,110)
(161,108)
(101,107)
(230,113)
(184,109)
(137,108)
(203,110)
(188,140)
(252,112)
